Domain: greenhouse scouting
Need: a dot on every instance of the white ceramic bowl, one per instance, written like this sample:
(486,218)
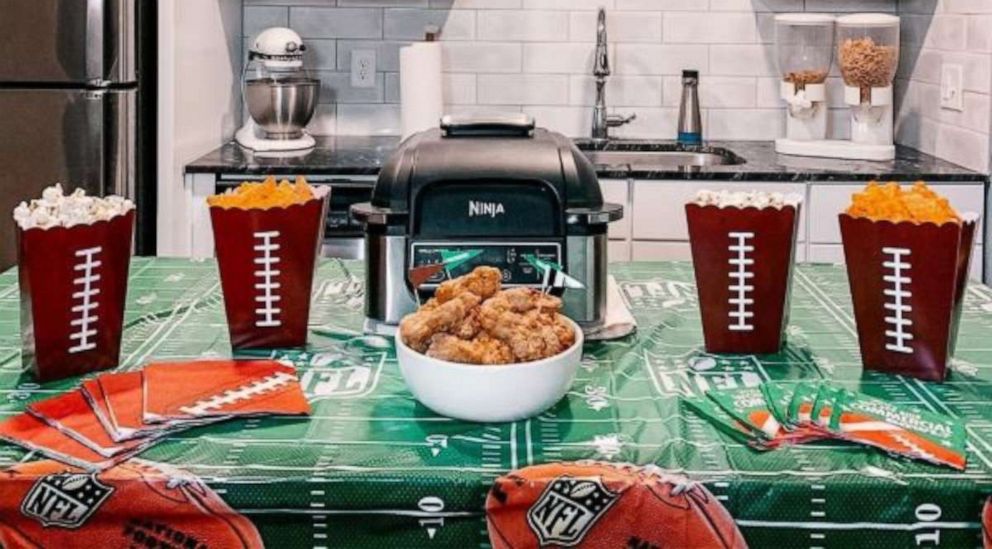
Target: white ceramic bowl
(490,393)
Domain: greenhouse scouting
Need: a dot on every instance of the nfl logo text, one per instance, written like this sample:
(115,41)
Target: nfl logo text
(66,500)
(568,509)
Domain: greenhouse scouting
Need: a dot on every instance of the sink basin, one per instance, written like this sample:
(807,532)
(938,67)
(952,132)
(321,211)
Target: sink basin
(658,156)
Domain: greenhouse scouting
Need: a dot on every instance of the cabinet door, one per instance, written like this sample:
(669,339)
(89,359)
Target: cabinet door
(661,251)
(618,250)
(827,201)
(648,250)
(834,253)
(659,206)
(615,190)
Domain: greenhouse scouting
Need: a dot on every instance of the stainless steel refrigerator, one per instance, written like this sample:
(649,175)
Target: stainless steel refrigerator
(71,104)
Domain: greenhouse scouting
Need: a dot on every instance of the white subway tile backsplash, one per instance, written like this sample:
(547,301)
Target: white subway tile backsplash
(523,26)
(460,89)
(556,57)
(259,18)
(392,87)
(382,3)
(335,87)
(571,121)
(522,89)
(660,59)
(323,121)
(745,124)
(321,54)
(634,91)
(882,6)
(757,5)
(632,26)
(979,33)
(721,92)
(483,57)
(387,53)
(662,5)
(537,56)
(368,119)
(768,92)
(651,123)
(965,147)
(475,4)
(410,24)
(710,28)
(567,4)
(316,22)
(742,60)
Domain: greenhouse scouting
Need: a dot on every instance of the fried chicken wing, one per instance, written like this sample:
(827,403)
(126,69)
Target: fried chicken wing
(521,300)
(418,328)
(481,350)
(471,321)
(482,281)
(527,321)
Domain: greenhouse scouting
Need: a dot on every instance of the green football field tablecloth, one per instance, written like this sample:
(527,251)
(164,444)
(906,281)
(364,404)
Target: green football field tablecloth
(372,468)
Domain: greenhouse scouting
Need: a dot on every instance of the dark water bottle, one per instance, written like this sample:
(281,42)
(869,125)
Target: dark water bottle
(690,121)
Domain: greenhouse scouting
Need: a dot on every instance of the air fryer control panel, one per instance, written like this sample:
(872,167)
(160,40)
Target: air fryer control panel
(508,257)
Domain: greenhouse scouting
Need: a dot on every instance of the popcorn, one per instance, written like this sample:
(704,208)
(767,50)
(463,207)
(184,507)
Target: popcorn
(746,199)
(56,209)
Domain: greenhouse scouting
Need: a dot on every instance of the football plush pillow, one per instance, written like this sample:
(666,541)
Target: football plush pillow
(593,504)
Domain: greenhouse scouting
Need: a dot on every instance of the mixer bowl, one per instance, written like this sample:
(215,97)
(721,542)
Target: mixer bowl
(282,108)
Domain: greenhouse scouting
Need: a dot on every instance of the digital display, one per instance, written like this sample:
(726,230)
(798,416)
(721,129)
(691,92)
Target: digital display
(507,257)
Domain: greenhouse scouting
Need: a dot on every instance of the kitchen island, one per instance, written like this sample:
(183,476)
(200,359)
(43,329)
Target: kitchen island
(371,467)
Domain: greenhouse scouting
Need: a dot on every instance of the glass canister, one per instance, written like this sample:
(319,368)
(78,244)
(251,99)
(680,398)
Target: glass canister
(805,45)
(868,50)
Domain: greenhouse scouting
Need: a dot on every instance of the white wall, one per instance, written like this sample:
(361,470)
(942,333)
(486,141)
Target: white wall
(199,99)
(935,33)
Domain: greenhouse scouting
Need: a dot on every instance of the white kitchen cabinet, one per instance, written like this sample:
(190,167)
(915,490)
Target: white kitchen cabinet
(645,250)
(617,192)
(829,200)
(618,250)
(648,250)
(834,253)
(659,206)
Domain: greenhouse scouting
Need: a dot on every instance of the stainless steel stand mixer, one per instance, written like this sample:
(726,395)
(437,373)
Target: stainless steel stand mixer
(279,94)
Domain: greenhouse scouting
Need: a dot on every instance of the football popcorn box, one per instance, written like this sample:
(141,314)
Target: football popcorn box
(136,504)
(73,281)
(743,259)
(907,282)
(267,257)
(595,504)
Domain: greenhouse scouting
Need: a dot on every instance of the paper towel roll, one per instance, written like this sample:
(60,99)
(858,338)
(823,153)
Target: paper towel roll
(421,97)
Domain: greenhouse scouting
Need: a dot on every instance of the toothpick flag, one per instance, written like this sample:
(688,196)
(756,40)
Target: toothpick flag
(423,273)
(554,275)
(450,260)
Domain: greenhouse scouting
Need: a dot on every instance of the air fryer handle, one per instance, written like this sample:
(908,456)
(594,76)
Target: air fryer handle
(509,125)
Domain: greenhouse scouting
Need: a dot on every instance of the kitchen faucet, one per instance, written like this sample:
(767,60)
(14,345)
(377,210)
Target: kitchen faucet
(601,121)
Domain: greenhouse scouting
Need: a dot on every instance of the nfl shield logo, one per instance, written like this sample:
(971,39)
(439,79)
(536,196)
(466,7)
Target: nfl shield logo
(66,500)
(568,509)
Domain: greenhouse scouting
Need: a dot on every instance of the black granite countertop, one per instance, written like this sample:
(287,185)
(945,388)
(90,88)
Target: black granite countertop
(345,155)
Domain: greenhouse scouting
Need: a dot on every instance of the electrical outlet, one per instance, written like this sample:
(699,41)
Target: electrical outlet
(363,68)
(951,92)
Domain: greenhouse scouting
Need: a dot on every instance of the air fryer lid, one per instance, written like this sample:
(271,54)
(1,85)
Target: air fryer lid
(490,179)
